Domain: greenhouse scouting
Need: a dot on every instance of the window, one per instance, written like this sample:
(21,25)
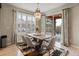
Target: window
(58,22)
(25,23)
(49,26)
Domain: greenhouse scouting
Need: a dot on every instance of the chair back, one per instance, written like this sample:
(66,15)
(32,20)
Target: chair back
(29,42)
(51,43)
(24,40)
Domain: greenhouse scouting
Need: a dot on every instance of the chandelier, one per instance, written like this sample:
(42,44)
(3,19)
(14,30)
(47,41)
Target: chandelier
(37,13)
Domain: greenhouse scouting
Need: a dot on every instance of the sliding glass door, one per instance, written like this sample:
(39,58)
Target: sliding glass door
(48,26)
(54,26)
(58,29)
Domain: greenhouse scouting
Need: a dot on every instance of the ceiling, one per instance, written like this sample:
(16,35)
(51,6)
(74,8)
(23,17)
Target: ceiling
(43,6)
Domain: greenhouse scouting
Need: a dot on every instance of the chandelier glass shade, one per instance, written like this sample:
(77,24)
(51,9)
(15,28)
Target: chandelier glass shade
(37,14)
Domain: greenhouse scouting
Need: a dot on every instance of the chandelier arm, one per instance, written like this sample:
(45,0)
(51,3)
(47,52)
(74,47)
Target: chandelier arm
(37,5)
(37,13)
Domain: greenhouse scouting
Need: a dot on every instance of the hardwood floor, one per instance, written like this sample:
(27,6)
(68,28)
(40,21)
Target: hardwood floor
(8,51)
(73,51)
(11,51)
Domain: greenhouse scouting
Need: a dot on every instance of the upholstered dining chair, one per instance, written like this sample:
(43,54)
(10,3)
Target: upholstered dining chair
(50,45)
(29,42)
(24,43)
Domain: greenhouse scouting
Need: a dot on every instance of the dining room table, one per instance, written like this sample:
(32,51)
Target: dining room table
(39,51)
(39,38)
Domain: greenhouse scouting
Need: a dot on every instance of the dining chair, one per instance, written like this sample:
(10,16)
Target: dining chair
(30,43)
(24,40)
(50,45)
(24,43)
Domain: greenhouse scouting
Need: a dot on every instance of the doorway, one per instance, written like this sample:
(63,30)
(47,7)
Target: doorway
(56,22)
(58,27)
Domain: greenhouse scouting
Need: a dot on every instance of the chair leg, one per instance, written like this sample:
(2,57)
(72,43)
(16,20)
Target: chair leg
(49,52)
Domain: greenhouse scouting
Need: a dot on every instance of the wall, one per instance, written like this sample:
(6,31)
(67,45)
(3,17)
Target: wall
(74,26)
(58,10)
(7,23)
(73,22)
(0,20)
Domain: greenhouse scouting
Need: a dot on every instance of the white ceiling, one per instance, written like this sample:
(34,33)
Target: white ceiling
(43,6)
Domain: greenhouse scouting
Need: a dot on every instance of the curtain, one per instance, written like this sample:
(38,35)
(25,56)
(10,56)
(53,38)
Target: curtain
(43,24)
(14,27)
(65,26)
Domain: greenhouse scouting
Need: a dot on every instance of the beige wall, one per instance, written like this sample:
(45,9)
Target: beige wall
(74,26)
(7,21)
(0,19)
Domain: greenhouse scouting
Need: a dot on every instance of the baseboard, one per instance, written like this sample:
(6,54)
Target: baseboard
(8,44)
